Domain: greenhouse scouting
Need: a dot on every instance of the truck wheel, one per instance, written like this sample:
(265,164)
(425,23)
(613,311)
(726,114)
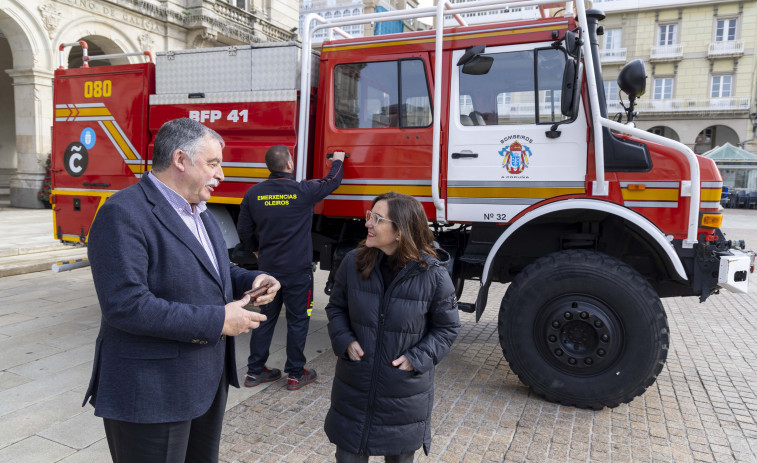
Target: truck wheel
(584,329)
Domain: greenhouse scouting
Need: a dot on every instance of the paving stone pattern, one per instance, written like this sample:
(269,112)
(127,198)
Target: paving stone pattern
(702,408)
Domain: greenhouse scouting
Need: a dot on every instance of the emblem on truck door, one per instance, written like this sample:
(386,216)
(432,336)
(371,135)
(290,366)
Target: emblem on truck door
(515,157)
(88,138)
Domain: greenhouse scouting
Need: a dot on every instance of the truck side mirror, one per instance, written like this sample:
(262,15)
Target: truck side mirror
(632,79)
(473,63)
(572,43)
(568,88)
(470,54)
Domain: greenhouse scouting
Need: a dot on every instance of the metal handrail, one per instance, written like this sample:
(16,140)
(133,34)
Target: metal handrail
(86,58)
(63,46)
(691,189)
(120,55)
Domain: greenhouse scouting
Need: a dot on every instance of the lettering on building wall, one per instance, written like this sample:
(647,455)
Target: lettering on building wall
(114,13)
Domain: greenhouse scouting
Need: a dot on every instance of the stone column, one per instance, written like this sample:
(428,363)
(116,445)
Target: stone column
(33,94)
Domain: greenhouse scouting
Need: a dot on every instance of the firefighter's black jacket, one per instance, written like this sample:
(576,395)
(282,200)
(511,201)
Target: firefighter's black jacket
(276,216)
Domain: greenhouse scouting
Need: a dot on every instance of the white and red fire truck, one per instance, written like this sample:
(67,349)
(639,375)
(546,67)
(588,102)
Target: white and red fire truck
(500,130)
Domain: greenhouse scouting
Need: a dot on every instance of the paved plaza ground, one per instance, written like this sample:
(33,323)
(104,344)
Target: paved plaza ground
(703,406)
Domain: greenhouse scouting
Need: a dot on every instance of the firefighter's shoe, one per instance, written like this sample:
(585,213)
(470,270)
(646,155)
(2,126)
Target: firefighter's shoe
(266,376)
(307,377)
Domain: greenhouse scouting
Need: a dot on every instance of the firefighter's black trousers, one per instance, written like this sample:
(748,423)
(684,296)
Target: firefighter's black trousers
(296,294)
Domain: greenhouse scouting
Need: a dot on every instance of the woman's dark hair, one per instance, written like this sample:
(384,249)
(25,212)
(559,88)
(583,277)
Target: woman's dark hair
(415,238)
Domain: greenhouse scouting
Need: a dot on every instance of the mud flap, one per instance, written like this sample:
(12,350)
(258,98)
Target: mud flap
(483,295)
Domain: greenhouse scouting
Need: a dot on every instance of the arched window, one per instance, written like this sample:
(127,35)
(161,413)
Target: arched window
(665,131)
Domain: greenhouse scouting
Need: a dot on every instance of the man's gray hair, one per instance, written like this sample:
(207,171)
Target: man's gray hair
(180,134)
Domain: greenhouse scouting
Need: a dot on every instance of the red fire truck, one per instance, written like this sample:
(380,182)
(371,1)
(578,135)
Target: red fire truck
(500,130)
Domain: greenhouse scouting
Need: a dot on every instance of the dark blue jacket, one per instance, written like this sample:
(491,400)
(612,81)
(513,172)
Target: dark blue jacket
(376,408)
(276,216)
(159,354)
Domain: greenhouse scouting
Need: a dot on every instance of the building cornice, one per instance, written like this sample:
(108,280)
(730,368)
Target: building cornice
(221,20)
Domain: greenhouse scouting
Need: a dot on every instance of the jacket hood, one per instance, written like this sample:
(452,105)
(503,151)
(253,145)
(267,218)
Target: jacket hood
(443,257)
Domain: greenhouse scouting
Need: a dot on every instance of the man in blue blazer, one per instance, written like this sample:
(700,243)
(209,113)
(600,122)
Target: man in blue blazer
(164,356)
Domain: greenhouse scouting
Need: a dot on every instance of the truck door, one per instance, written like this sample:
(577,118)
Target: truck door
(500,159)
(379,112)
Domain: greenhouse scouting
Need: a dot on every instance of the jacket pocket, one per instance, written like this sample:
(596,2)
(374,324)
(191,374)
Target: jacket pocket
(148,350)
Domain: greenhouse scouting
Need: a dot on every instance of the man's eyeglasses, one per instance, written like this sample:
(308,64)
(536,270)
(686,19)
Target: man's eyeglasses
(374,218)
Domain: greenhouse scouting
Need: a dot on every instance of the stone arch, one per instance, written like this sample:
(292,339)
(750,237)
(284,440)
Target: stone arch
(665,131)
(103,35)
(713,136)
(96,45)
(7,117)
(27,36)
(27,92)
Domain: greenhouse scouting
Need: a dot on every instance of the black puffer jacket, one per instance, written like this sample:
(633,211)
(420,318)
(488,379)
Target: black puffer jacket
(376,408)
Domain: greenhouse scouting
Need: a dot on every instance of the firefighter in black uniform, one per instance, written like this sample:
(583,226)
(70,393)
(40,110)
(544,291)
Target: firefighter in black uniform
(274,221)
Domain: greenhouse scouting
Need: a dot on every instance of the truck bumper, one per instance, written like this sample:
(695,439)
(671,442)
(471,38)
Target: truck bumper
(734,271)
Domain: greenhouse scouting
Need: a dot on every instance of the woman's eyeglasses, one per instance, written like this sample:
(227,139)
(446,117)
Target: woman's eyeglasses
(374,218)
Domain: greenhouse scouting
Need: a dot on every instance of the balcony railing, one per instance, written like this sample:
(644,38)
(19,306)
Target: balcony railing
(612,55)
(231,12)
(238,23)
(726,49)
(686,105)
(672,52)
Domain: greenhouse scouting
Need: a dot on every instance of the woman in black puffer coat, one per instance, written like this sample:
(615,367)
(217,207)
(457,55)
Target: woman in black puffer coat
(392,318)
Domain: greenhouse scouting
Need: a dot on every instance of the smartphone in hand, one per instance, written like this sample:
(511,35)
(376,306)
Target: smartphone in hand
(257,292)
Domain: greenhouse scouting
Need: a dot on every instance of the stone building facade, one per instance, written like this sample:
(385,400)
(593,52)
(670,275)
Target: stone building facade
(699,57)
(700,62)
(32,30)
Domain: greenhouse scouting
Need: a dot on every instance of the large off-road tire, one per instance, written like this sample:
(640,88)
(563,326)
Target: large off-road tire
(584,329)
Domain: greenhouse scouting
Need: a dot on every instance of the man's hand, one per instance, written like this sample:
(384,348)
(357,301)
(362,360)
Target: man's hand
(403,363)
(239,320)
(338,156)
(271,293)
(354,351)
